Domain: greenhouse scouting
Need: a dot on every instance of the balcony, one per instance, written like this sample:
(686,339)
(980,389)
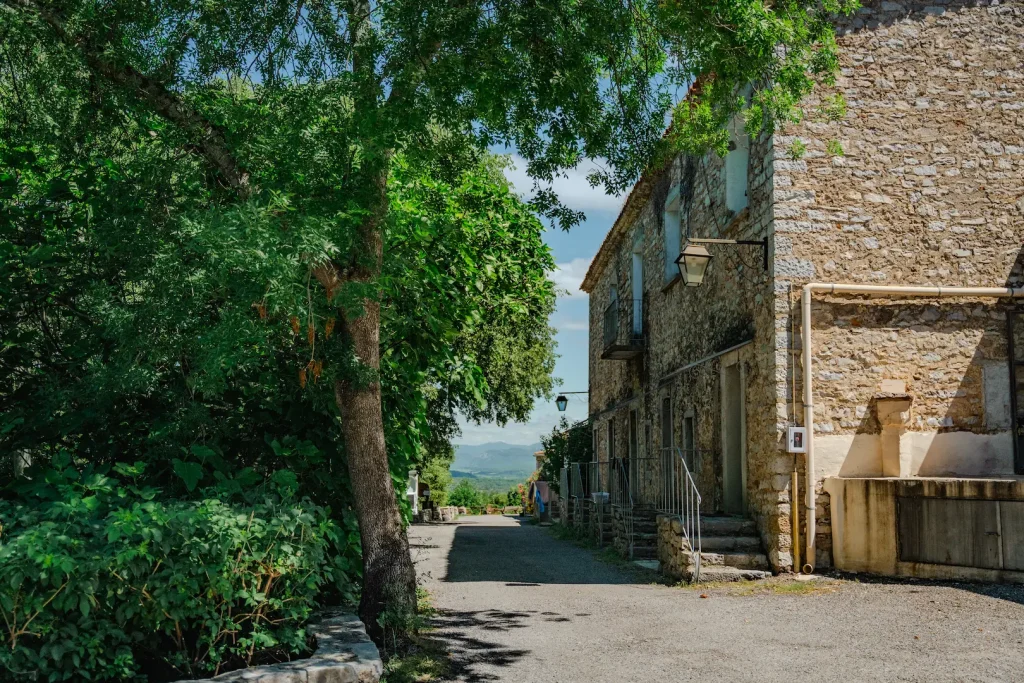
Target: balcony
(623,330)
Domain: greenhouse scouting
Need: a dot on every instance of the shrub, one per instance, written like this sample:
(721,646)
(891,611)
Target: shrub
(465,495)
(102,580)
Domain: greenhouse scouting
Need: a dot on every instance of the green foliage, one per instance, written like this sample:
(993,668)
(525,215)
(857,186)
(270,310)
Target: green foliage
(514,497)
(835,148)
(103,580)
(833,107)
(796,150)
(435,474)
(465,495)
(745,57)
(567,443)
(194,341)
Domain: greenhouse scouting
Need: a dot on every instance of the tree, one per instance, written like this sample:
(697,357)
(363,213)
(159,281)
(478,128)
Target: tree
(560,81)
(514,497)
(436,475)
(465,495)
(566,444)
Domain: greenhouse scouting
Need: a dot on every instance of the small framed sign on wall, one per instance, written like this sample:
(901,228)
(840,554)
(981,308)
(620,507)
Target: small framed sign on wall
(796,440)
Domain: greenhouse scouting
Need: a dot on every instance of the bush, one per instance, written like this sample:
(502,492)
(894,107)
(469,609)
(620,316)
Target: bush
(465,495)
(101,580)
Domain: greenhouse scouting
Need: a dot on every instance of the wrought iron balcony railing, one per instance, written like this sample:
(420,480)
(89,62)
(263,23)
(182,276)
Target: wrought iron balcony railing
(623,329)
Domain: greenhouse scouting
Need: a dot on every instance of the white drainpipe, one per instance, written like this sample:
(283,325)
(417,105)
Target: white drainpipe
(868,290)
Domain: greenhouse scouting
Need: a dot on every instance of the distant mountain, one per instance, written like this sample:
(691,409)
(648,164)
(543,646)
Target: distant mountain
(498,458)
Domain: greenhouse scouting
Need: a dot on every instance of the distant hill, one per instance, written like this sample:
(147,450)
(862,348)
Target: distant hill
(495,459)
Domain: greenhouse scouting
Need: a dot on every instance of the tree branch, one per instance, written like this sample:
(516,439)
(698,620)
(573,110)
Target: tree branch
(211,144)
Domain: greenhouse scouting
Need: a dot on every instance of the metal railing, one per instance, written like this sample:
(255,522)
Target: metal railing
(623,323)
(621,498)
(680,497)
(594,478)
(563,495)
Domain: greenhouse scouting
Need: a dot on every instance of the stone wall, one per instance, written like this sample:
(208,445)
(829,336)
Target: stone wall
(686,326)
(929,189)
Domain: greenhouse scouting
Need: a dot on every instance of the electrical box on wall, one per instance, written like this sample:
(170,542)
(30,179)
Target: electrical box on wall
(796,440)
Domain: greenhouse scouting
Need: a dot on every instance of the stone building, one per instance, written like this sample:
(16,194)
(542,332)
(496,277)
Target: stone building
(694,389)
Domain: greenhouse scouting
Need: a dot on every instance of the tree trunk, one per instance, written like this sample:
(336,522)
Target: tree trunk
(389,579)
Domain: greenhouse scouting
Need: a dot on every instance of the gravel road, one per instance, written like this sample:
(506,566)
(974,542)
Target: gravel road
(517,604)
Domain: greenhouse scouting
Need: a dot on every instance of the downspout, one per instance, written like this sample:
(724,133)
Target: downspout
(805,332)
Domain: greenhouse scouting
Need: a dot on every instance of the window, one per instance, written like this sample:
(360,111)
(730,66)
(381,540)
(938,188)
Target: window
(736,164)
(637,278)
(672,232)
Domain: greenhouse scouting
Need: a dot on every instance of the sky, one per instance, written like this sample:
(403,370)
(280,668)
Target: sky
(573,252)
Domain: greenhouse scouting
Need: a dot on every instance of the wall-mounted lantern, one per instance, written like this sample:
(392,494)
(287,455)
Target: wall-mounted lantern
(694,259)
(693,264)
(563,401)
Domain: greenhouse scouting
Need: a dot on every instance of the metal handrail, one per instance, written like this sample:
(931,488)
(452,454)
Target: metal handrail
(680,498)
(563,490)
(621,497)
(576,489)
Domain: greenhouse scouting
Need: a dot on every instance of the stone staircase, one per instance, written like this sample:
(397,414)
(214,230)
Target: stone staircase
(645,533)
(603,528)
(731,551)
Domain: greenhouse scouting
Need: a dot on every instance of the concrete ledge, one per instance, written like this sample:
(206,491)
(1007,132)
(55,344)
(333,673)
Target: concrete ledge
(866,527)
(344,654)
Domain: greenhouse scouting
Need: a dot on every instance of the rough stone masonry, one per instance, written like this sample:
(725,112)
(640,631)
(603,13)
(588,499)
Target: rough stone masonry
(920,182)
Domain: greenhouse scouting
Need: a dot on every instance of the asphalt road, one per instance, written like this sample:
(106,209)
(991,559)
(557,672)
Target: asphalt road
(517,604)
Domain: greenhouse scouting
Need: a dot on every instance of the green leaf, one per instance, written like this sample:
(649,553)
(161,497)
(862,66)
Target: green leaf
(188,472)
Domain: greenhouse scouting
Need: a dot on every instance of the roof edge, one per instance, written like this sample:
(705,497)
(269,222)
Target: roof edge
(633,204)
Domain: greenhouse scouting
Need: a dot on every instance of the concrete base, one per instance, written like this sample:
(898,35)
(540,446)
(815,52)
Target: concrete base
(866,531)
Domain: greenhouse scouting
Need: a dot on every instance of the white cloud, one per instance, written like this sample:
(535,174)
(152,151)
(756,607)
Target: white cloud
(574,190)
(571,325)
(568,277)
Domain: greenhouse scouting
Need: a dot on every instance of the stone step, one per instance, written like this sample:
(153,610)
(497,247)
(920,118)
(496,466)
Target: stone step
(713,573)
(727,526)
(734,543)
(653,565)
(644,553)
(738,560)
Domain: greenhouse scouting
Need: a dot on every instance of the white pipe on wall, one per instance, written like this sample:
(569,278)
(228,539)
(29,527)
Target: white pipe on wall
(805,331)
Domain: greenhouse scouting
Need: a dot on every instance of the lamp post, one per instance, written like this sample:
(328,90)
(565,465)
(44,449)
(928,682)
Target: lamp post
(563,401)
(694,258)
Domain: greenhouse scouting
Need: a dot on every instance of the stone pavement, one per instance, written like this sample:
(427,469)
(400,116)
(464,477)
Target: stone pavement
(517,604)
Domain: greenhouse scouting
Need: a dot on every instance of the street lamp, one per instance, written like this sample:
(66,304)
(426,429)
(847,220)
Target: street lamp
(693,260)
(563,401)
(693,264)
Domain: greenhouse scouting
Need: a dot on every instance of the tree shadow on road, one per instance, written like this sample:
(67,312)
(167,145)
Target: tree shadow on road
(462,635)
(524,556)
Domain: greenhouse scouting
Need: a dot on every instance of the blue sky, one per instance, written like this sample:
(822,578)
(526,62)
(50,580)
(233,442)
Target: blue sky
(573,251)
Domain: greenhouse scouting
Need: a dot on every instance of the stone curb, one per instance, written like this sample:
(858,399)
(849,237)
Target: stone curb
(344,654)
